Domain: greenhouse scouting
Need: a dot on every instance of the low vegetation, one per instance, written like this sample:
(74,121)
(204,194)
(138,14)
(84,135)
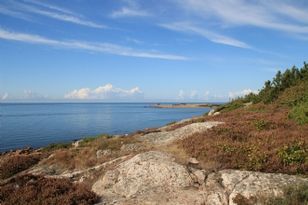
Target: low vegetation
(84,156)
(258,141)
(289,88)
(14,164)
(293,195)
(39,190)
(57,146)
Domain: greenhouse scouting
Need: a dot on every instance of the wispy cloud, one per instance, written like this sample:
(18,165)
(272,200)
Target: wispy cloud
(19,9)
(128,12)
(89,46)
(212,36)
(264,14)
(131,9)
(49,6)
(15,14)
(105,92)
(4,96)
(236,94)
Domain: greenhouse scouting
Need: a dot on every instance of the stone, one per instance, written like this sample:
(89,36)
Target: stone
(155,178)
(193,161)
(145,172)
(211,112)
(167,137)
(224,186)
(101,153)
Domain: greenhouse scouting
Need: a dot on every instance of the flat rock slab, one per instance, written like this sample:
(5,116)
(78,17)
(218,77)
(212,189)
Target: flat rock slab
(143,173)
(224,186)
(155,178)
(166,137)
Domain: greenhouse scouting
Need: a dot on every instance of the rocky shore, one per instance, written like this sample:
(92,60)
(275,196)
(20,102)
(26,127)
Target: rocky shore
(147,167)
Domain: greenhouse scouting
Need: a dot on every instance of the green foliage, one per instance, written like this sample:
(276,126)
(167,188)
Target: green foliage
(56,146)
(231,106)
(171,123)
(261,125)
(272,89)
(293,195)
(90,139)
(300,112)
(293,154)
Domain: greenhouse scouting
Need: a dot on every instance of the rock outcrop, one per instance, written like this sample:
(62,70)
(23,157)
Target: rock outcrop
(155,178)
(166,137)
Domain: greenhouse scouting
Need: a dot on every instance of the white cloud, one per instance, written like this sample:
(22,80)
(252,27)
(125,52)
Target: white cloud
(105,92)
(15,14)
(236,94)
(212,36)
(181,94)
(129,12)
(31,95)
(264,14)
(49,6)
(4,96)
(89,46)
(131,9)
(190,95)
(17,9)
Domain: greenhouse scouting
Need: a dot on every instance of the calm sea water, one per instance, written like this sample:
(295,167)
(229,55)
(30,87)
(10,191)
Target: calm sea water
(37,125)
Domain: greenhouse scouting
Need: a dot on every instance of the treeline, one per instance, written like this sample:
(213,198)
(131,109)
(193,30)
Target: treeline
(272,89)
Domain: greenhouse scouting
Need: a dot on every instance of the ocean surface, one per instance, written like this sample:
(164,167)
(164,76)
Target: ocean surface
(39,124)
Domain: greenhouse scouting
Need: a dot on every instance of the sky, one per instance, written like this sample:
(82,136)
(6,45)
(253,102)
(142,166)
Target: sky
(146,51)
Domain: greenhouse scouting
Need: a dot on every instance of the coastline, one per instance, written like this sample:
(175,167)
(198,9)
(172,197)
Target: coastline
(185,105)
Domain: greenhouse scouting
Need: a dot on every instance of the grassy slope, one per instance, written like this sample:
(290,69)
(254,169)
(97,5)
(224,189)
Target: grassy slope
(260,137)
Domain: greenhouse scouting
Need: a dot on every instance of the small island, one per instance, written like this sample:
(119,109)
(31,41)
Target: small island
(185,105)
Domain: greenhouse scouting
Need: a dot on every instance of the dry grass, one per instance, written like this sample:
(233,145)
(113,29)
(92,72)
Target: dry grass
(12,164)
(179,125)
(84,156)
(38,190)
(258,138)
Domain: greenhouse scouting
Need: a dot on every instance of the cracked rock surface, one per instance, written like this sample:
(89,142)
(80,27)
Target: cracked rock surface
(155,178)
(167,137)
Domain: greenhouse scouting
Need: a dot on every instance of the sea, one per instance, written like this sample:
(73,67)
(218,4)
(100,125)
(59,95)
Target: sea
(39,124)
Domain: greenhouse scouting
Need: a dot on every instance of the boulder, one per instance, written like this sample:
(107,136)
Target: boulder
(223,187)
(146,172)
(167,137)
(155,178)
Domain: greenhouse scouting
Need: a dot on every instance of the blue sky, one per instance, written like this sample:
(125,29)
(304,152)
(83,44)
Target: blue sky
(133,50)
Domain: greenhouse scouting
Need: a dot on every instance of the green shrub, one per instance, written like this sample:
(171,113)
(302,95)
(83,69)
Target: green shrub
(262,125)
(230,106)
(171,123)
(293,154)
(56,146)
(300,113)
(90,139)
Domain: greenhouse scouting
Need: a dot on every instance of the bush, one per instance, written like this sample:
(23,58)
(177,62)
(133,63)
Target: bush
(13,164)
(230,106)
(38,190)
(300,113)
(293,154)
(56,146)
(262,125)
(90,139)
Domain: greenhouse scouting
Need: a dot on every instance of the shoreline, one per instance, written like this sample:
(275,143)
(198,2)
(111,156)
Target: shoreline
(76,140)
(185,105)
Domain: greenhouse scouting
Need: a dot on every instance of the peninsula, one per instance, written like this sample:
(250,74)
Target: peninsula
(185,105)
(252,151)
